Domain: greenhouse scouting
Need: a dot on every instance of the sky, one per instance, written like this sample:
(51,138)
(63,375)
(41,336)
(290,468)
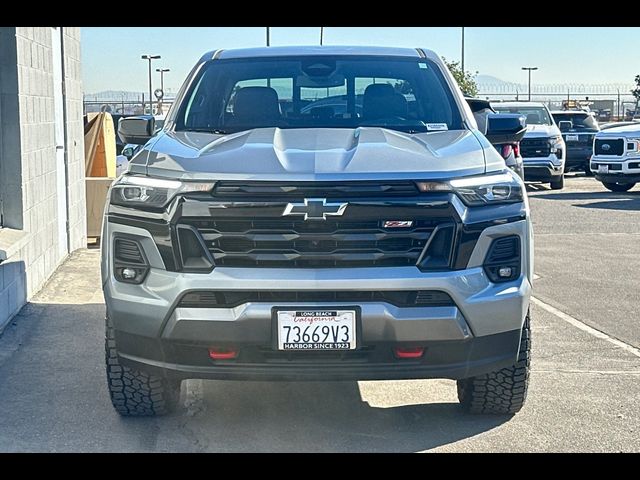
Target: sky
(589,55)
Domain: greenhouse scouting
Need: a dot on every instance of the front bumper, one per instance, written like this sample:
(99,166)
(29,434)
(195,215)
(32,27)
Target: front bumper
(620,171)
(479,334)
(578,156)
(543,169)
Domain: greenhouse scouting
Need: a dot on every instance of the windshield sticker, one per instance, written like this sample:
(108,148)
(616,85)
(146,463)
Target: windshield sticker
(423,65)
(434,127)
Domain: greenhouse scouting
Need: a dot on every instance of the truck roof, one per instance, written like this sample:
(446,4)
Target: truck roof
(310,50)
(517,104)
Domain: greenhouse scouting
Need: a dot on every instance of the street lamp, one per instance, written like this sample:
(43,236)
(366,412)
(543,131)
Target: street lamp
(529,69)
(162,72)
(150,57)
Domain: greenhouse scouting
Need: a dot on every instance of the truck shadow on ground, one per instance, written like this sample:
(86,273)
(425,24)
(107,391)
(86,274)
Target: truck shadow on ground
(54,398)
(328,417)
(604,200)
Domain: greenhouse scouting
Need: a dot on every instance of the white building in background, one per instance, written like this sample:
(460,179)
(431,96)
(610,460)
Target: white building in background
(42,187)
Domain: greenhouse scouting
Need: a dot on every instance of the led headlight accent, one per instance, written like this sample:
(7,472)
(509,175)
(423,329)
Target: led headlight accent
(147,192)
(481,190)
(488,190)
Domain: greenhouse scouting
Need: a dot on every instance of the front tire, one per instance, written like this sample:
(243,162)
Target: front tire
(135,393)
(558,184)
(618,187)
(501,392)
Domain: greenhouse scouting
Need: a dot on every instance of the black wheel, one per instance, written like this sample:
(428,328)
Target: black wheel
(618,187)
(135,393)
(501,392)
(558,184)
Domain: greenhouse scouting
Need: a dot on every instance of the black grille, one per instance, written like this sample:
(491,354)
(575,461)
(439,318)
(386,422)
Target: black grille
(230,299)
(280,242)
(615,146)
(128,251)
(313,189)
(535,147)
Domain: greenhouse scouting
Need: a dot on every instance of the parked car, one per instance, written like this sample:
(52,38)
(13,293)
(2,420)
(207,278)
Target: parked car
(481,110)
(578,131)
(247,244)
(543,149)
(616,157)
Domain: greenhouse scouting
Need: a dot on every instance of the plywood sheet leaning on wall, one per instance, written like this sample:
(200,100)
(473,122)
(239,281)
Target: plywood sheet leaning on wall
(99,145)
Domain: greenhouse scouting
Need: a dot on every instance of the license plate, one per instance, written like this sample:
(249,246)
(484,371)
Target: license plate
(330,329)
(603,168)
(572,138)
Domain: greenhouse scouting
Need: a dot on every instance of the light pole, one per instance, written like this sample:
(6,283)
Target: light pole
(268,36)
(150,57)
(321,35)
(162,72)
(462,56)
(529,69)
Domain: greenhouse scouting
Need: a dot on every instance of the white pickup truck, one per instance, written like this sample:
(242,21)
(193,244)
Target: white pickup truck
(616,157)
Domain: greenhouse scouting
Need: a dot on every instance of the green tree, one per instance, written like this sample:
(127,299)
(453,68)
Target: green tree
(636,91)
(466,80)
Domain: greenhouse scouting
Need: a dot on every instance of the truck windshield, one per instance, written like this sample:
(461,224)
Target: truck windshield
(319,92)
(579,120)
(535,115)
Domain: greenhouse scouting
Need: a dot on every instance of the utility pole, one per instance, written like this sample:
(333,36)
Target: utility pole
(150,57)
(462,56)
(529,69)
(321,35)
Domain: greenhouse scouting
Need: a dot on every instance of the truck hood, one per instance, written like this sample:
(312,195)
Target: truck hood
(537,131)
(314,154)
(627,131)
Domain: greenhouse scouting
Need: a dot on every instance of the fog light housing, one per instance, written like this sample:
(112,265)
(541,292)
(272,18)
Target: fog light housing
(129,262)
(502,263)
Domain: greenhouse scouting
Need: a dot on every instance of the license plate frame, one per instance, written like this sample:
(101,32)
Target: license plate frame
(356,326)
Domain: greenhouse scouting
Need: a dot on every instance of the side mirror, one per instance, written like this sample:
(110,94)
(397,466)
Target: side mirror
(128,152)
(505,128)
(565,125)
(136,130)
(477,104)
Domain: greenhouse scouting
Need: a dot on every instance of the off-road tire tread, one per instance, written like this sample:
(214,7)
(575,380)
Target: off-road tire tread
(503,391)
(135,393)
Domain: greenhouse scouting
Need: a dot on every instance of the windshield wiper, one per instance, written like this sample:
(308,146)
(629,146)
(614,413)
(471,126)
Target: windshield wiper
(206,130)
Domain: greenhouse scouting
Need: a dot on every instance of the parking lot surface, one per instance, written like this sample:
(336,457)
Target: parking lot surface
(584,391)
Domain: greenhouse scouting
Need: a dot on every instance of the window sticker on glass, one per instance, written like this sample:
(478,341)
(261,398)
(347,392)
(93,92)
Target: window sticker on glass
(434,127)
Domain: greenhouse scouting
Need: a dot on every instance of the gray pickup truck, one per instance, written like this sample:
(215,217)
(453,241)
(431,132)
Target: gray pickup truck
(265,233)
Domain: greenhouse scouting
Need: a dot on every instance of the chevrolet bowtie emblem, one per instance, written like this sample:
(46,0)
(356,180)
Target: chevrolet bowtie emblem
(315,209)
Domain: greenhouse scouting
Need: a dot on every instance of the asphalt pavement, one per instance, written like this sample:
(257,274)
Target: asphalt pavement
(583,396)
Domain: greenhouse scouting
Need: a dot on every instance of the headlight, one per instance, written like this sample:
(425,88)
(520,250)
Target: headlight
(147,192)
(480,191)
(555,140)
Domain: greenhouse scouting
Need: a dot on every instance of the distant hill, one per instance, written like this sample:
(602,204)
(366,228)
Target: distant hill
(490,79)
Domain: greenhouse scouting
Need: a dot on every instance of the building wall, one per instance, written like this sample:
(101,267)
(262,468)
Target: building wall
(28,164)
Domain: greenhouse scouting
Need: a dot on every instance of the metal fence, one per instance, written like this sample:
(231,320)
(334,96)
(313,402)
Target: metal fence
(621,105)
(126,107)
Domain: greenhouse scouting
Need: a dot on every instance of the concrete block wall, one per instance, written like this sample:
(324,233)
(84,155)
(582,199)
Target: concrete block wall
(28,153)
